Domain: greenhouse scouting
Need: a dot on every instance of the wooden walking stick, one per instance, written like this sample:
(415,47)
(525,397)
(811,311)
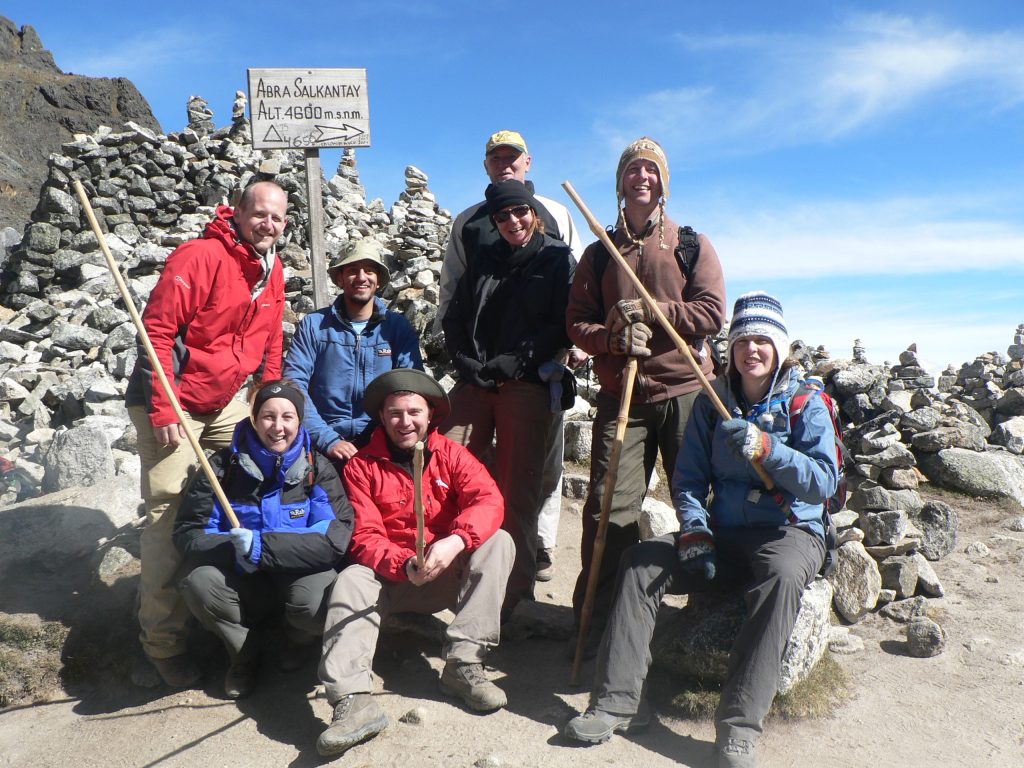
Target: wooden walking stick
(611,476)
(417,502)
(655,310)
(153,359)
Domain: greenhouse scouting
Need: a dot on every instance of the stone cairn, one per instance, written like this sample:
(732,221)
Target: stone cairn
(67,347)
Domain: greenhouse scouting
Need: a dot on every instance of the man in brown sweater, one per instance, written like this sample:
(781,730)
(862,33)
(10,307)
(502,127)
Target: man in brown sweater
(607,319)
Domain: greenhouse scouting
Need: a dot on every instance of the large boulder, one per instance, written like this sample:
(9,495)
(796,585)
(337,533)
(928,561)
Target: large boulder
(988,474)
(695,641)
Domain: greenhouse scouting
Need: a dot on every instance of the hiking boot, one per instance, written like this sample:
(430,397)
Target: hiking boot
(736,753)
(595,726)
(357,717)
(240,680)
(177,671)
(468,682)
(545,564)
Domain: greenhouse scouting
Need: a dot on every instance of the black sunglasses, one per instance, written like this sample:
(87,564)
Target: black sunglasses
(519,211)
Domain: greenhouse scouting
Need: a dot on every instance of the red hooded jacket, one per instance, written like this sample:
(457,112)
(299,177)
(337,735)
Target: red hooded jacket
(459,497)
(207,330)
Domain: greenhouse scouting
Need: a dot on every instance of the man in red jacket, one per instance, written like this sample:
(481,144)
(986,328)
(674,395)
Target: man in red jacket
(214,319)
(467,558)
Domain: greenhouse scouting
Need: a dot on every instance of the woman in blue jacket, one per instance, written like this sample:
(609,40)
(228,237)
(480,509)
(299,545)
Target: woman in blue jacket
(296,523)
(733,532)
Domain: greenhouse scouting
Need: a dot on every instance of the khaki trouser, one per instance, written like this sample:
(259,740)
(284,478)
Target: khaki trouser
(473,587)
(165,471)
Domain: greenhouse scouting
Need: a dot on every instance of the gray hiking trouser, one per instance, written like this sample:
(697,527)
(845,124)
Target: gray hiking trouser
(772,565)
(230,604)
(651,428)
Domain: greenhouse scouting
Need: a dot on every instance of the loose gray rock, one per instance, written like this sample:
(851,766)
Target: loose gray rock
(855,581)
(78,456)
(903,611)
(656,519)
(939,524)
(882,528)
(899,573)
(925,638)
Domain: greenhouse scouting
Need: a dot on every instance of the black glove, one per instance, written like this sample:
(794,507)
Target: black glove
(696,551)
(472,370)
(502,367)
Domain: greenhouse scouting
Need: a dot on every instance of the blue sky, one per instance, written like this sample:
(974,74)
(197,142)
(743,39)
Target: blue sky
(862,161)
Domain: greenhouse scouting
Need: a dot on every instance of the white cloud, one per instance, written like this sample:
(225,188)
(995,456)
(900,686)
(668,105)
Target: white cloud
(149,53)
(797,89)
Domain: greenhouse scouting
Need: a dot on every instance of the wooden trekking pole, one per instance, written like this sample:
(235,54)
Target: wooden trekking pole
(655,310)
(610,478)
(417,502)
(153,359)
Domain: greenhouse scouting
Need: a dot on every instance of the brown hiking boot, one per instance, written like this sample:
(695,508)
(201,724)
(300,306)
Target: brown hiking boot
(468,682)
(357,717)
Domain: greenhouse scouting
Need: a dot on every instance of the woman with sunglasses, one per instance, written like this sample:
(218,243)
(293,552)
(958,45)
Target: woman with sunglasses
(506,319)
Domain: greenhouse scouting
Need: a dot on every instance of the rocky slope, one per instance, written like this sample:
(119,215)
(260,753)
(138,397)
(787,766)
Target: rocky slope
(41,108)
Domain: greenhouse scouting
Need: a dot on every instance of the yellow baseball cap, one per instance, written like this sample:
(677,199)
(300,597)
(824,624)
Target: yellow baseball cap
(506,139)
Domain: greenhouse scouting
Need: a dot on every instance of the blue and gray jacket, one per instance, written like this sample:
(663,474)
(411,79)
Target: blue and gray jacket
(333,364)
(802,464)
(294,503)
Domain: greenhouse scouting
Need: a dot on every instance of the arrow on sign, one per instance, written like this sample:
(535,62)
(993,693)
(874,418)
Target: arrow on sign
(334,133)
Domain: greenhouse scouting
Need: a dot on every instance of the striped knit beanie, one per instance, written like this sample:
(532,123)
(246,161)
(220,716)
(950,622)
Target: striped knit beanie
(758,314)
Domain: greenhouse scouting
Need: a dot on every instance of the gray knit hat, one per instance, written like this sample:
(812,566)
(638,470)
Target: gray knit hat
(366,249)
(407,380)
(758,314)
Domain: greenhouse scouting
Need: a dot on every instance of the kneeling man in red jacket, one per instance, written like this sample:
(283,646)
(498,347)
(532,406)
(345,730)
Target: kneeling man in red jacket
(466,565)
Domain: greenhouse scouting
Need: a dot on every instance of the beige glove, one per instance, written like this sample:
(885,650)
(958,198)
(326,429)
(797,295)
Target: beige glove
(630,340)
(627,312)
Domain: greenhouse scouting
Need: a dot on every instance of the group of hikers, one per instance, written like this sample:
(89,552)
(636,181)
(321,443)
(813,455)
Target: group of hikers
(345,441)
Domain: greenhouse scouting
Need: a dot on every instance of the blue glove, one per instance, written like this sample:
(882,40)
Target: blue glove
(696,551)
(241,540)
(746,440)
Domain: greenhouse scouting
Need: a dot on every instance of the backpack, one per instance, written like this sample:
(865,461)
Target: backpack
(686,251)
(814,387)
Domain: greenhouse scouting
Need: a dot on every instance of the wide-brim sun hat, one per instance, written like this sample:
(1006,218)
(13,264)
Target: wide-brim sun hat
(407,380)
(362,250)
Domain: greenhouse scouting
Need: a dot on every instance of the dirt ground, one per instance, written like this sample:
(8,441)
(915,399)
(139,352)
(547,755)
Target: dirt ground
(962,708)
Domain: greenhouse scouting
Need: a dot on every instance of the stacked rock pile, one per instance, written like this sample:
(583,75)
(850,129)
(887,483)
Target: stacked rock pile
(66,343)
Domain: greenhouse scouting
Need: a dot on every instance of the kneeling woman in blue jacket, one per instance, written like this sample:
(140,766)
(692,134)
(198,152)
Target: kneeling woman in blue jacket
(296,525)
(733,533)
